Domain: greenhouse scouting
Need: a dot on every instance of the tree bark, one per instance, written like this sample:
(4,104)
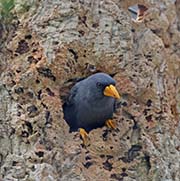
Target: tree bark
(49,46)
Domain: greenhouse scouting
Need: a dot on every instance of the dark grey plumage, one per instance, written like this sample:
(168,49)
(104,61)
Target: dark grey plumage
(87,107)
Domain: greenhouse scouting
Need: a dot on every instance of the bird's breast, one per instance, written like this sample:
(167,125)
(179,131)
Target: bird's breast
(95,112)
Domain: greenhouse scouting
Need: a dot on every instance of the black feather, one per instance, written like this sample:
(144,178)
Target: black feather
(86,106)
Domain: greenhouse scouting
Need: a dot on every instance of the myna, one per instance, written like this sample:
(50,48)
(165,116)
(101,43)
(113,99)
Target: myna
(91,104)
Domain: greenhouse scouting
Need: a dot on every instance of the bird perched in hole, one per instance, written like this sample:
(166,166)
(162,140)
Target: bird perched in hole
(91,104)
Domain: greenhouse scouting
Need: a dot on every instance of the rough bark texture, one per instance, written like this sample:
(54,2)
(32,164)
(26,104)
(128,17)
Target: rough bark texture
(56,41)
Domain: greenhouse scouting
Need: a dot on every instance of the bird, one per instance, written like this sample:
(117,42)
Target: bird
(91,104)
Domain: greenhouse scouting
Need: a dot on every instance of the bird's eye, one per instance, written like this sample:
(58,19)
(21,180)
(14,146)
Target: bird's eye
(98,84)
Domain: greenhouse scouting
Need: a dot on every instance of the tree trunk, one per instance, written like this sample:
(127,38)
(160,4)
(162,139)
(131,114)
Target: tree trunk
(46,46)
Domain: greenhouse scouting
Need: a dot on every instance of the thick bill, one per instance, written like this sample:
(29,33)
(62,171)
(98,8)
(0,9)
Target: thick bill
(111,91)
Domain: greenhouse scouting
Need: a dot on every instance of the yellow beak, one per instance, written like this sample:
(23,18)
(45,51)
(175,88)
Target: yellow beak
(111,91)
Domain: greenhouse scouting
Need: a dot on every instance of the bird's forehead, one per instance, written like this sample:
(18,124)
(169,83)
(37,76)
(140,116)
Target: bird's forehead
(103,78)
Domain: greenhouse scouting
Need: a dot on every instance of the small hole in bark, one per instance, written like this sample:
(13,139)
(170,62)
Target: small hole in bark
(18,71)
(37,81)
(149,118)
(29,126)
(28,37)
(18,114)
(34,50)
(102,156)
(24,134)
(33,168)
(39,94)
(39,153)
(55,42)
(151,84)
(22,47)
(30,94)
(19,90)
(50,93)
(148,163)
(107,165)
(95,25)
(81,32)
(124,174)
(14,163)
(109,156)
(46,72)
(31,59)
(149,103)
(88,158)
(123,169)
(116,176)
(117,21)
(74,53)
(32,110)
(87,164)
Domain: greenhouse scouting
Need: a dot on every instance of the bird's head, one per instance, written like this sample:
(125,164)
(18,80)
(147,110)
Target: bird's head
(103,85)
